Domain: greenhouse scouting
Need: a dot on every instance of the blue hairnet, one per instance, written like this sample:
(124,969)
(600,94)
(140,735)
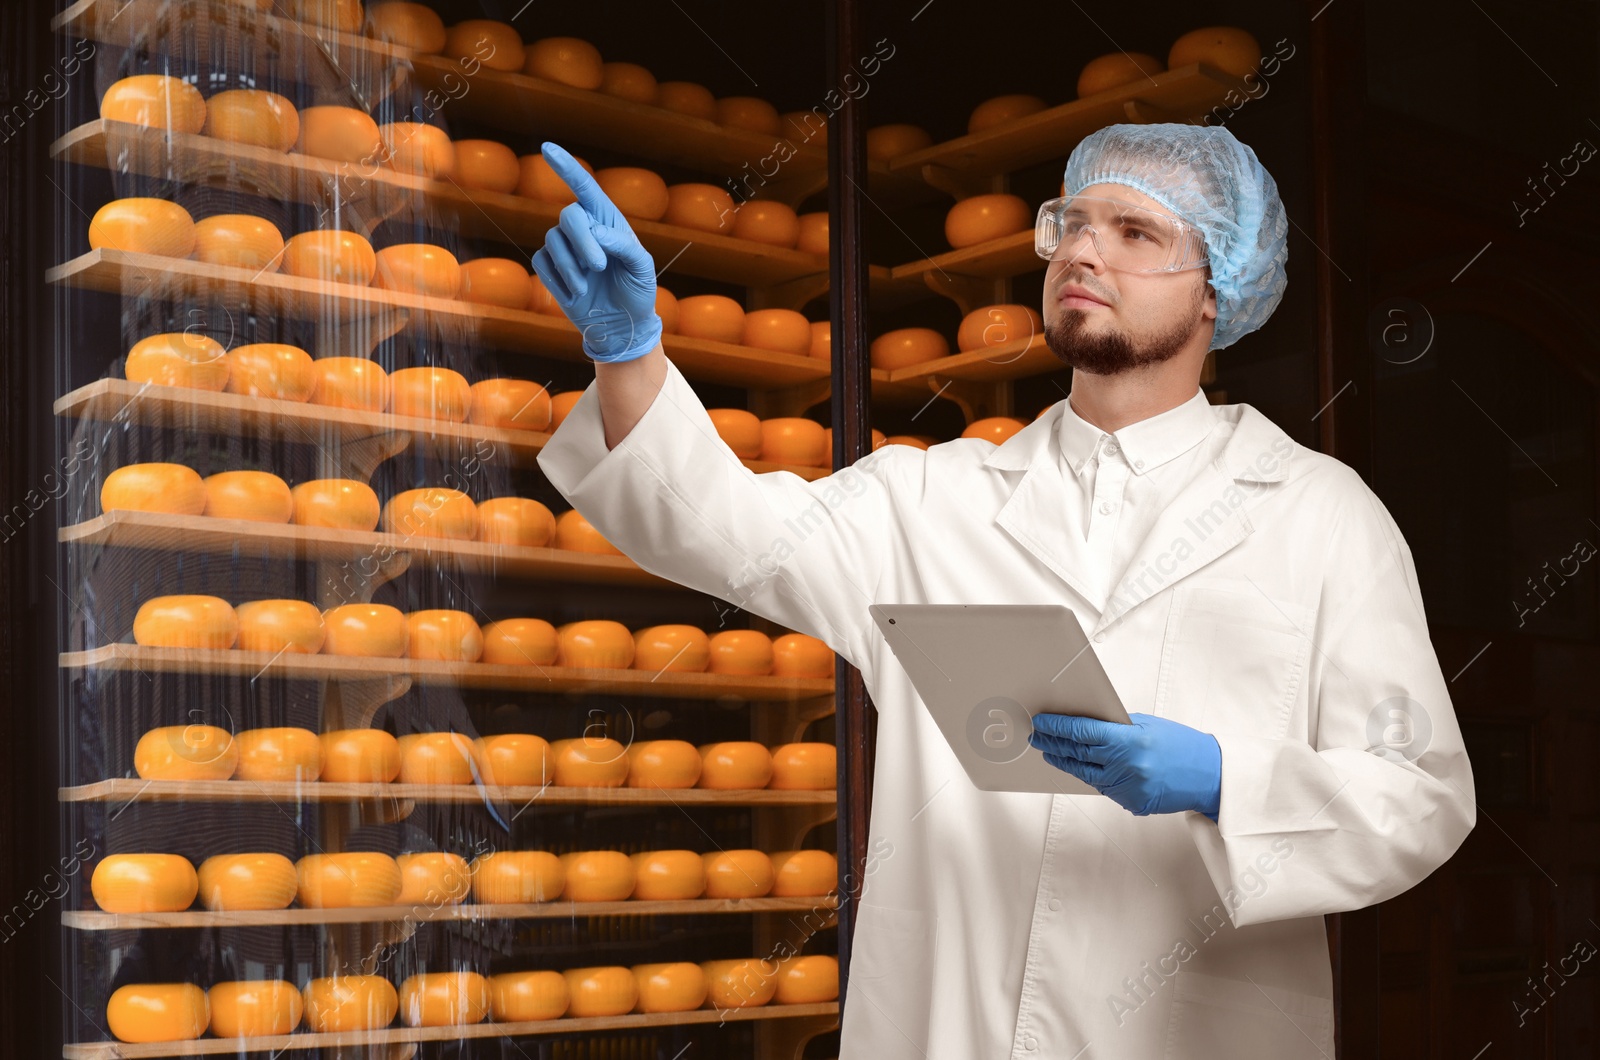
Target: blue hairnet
(1204,175)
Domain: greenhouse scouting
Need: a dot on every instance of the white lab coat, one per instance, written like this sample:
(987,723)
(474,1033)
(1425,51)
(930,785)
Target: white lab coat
(1274,605)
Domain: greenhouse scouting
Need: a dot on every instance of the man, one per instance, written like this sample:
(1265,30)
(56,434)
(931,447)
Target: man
(1293,750)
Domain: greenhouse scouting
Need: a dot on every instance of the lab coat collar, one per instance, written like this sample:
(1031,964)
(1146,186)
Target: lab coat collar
(1148,443)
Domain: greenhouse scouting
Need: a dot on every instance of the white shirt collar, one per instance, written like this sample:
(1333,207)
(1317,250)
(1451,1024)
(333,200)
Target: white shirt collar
(1147,444)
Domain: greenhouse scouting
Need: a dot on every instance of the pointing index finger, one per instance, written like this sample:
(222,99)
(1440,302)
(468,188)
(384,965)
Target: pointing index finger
(591,197)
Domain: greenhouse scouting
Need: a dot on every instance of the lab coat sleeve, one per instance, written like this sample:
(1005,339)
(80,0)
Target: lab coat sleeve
(1326,826)
(675,499)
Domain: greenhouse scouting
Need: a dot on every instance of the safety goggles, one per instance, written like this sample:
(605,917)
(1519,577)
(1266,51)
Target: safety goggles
(1127,237)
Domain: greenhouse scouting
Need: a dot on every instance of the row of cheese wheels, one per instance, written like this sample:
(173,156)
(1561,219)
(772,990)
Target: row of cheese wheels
(372,756)
(160,1012)
(440,634)
(170,883)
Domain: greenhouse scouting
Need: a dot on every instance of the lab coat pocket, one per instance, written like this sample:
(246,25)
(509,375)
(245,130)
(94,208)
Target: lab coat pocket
(1213,1017)
(891,969)
(1233,659)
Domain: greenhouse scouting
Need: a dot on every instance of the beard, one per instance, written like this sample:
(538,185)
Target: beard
(1111,352)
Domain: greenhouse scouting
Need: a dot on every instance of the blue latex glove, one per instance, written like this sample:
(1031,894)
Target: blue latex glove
(597,271)
(1155,765)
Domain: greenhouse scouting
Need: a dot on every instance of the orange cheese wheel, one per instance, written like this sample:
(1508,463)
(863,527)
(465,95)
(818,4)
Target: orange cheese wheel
(515,877)
(431,512)
(994,429)
(343,15)
(168,488)
(418,148)
(433,879)
(804,767)
(347,880)
(444,635)
(331,255)
(891,141)
(160,1012)
(704,207)
(827,435)
(673,647)
(675,986)
(143,226)
(799,655)
(589,762)
(904,347)
(735,765)
(514,759)
(178,358)
(743,652)
(749,112)
(157,101)
(667,310)
(283,754)
(435,758)
(794,440)
(418,268)
(369,630)
(186,621)
(339,134)
(577,534)
(804,873)
(762,221)
(536,180)
(806,126)
(561,404)
(431,393)
(600,991)
(781,330)
(663,764)
(487,165)
(230,882)
(687,97)
(628,81)
(406,25)
(250,1008)
(255,496)
(598,875)
(520,404)
(567,60)
(495,281)
(638,193)
(906,439)
(515,997)
(336,504)
(740,429)
(594,643)
(444,999)
(349,1003)
(496,45)
(360,756)
(540,300)
(995,325)
(1002,109)
(711,316)
(1114,70)
(1228,48)
(744,983)
(239,240)
(349,383)
(821,340)
(668,876)
(982,218)
(515,521)
(271,370)
(289,626)
(813,235)
(520,642)
(144,883)
(737,874)
(807,980)
(254,117)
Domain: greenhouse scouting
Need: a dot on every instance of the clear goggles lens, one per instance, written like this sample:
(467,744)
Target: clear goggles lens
(1129,238)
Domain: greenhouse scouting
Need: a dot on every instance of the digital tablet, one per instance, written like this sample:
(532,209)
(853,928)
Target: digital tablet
(984,670)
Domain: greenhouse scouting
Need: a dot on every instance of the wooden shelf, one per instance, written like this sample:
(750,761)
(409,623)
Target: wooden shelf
(95,920)
(825,1013)
(125,790)
(1011,360)
(995,259)
(535,679)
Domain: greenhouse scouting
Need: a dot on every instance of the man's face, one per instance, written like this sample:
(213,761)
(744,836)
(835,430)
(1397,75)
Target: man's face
(1128,319)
